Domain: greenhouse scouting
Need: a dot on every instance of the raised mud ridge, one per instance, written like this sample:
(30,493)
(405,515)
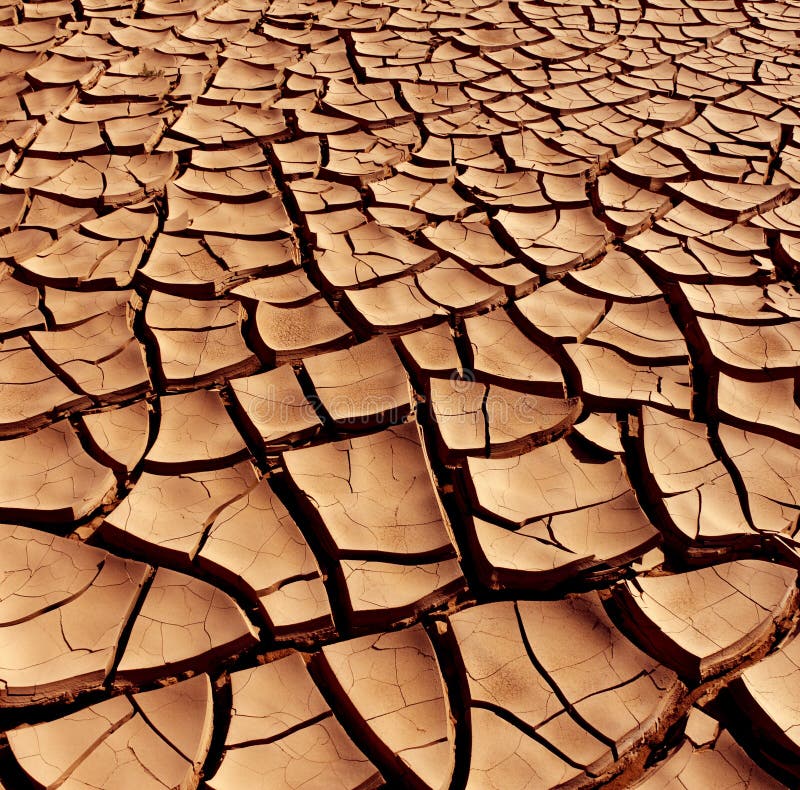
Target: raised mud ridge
(399,394)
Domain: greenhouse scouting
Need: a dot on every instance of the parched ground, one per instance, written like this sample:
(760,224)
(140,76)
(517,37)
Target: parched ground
(399,394)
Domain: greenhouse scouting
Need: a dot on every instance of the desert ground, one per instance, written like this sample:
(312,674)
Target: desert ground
(399,394)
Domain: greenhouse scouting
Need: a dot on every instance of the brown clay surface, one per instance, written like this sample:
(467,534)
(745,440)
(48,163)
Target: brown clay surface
(399,394)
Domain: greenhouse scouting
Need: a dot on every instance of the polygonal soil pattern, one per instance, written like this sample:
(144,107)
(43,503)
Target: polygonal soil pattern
(399,394)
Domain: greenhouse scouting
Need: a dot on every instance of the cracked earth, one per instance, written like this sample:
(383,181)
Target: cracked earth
(399,394)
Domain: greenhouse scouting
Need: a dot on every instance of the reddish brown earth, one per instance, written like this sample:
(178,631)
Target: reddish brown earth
(399,394)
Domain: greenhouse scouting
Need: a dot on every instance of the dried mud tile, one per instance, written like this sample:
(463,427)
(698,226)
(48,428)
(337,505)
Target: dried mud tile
(76,260)
(272,699)
(499,351)
(629,208)
(169,515)
(60,139)
(393,307)
(618,692)
(234,185)
(503,755)
(560,314)
(361,386)
(65,642)
(686,221)
(184,622)
(119,742)
(643,332)
(457,289)
(225,126)
(499,672)
(724,763)
(549,479)
(125,224)
(69,308)
(768,406)
(58,70)
(245,258)
(649,165)
(328,230)
(313,122)
(273,408)
(517,190)
(339,268)
(767,694)
(30,36)
(302,157)
(12,210)
(371,493)
(50,751)
(369,104)
(81,185)
(30,173)
(528,151)
(182,715)
(357,253)
(256,546)
(248,155)
(701,729)
(441,201)
(52,216)
(118,437)
(392,686)
(134,136)
(526,558)
(100,357)
(783,218)
(704,621)
(48,477)
(166,311)
(20,304)
(382,592)
(550,551)
(739,303)
(115,87)
(577,711)
(430,352)
(618,276)
(470,242)
(768,467)
(189,358)
(284,334)
(244,74)
(42,571)
(476,418)
(610,382)
(744,349)
(314,195)
(184,267)
(457,411)
(314,757)
(601,430)
(731,200)
(553,242)
(195,434)
(258,219)
(358,168)
(693,487)
(291,289)
(30,394)
(300,610)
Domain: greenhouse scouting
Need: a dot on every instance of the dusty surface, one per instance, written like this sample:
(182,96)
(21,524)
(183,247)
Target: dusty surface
(399,394)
